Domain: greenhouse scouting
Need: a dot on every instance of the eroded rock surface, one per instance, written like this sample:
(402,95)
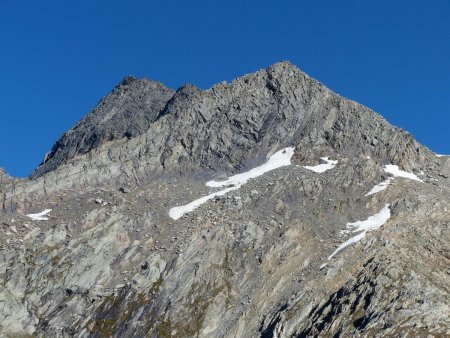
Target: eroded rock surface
(253,262)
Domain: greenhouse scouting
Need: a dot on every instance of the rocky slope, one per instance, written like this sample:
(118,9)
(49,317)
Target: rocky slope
(254,257)
(127,111)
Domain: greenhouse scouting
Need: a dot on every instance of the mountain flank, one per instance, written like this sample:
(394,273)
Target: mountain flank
(265,207)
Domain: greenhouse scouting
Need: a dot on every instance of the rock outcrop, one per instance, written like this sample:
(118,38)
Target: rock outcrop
(127,111)
(88,248)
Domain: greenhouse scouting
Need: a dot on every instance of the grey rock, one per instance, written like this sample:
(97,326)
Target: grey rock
(127,112)
(236,266)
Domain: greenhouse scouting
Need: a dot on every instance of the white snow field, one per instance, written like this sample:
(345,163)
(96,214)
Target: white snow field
(41,216)
(371,223)
(280,159)
(397,172)
(321,168)
(440,155)
(380,186)
(178,212)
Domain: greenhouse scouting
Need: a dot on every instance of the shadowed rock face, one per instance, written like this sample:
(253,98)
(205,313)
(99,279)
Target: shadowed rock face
(127,111)
(228,124)
(107,260)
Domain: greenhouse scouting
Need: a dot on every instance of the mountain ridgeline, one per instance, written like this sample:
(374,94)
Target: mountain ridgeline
(265,207)
(230,123)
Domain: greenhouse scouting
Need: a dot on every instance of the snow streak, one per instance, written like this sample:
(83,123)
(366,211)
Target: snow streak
(280,159)
(321,168)
(371,223)
(41,216)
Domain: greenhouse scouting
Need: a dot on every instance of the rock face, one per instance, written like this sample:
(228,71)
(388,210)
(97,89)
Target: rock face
(127,111)
(254,258)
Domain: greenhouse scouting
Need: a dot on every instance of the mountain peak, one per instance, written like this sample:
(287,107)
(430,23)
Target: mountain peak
(282,66)
(269,206)
(126,111)
(278,105)
(126,80)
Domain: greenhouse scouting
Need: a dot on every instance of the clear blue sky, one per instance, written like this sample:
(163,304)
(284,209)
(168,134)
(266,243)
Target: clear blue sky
(58,58)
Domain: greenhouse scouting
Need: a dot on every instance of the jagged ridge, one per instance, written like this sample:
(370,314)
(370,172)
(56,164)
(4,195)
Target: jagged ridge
(223,126)
(127,111)
(107,260)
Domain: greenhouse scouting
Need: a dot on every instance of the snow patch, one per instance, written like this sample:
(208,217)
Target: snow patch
(280,159)
(371,223)
(41,216)
(440,155)
(321,168)
(397,172)
(178,212)
(380,186)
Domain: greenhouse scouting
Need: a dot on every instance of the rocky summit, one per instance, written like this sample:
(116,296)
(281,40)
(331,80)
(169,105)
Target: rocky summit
(265,207)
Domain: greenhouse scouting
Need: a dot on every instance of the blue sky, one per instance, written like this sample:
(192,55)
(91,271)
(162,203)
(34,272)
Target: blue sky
(58,58)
